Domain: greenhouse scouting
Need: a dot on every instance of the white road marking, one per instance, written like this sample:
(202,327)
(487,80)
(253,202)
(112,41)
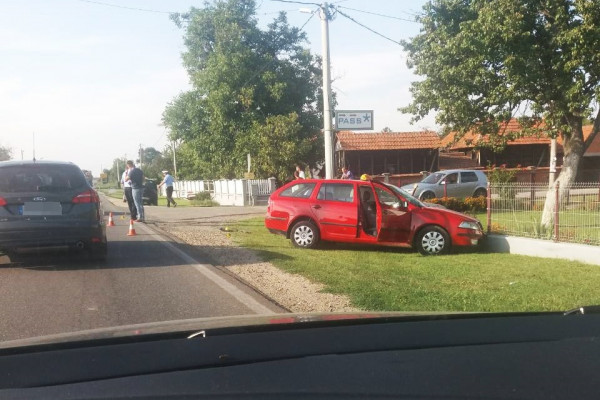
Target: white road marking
(204,269)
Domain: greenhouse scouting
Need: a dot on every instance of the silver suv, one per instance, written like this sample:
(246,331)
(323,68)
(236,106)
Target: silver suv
(450,183)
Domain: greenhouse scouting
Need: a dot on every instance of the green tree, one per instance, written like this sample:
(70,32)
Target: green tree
(486,61)
(5,153)
(243,78)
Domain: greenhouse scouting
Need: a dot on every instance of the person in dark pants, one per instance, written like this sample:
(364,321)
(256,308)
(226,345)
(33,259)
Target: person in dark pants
(168,182)
(128,195)
(136,177)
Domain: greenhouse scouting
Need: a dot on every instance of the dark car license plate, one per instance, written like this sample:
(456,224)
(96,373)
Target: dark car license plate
(45,208)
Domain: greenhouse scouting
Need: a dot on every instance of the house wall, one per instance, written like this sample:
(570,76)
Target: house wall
(375,162)
(589,171)
(523,155)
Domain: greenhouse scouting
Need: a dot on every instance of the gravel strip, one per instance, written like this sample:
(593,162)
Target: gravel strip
(292,291)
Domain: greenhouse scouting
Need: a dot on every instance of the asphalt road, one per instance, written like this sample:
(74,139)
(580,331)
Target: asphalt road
(146,278)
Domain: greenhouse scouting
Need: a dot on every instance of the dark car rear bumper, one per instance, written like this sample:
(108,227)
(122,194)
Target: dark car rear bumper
(49,237)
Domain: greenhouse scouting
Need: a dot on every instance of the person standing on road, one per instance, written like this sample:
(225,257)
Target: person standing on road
(136,177)
(168,182)
(128,194)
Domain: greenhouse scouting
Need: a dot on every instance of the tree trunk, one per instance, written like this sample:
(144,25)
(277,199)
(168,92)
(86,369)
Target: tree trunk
(573,152)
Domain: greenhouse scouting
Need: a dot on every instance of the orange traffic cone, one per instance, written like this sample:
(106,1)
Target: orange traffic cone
(110,220)
(131,230)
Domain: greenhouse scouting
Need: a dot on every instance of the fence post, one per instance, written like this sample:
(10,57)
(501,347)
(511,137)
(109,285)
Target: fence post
(489,208)
(272,184)
(532,189)
(556,207)
(245,193)
(386,177)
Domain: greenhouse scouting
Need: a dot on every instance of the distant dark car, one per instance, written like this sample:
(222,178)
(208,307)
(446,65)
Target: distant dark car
(150,195)
(47,205)
(450,183)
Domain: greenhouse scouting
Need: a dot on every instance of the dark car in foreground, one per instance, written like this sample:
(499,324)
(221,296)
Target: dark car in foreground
(49,205)
(450,183)
(307,211)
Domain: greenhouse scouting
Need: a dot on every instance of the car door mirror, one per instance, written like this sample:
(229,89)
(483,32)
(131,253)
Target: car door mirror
(443,182)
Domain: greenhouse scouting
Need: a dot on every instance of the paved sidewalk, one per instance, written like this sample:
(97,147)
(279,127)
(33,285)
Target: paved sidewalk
(162,214)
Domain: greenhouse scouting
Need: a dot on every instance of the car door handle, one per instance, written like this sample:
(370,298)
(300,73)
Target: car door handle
(316,207)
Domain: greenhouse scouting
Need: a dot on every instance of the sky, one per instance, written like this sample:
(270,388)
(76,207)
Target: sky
(87,81)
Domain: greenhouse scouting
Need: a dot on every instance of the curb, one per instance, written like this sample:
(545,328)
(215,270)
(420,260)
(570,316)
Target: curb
(543,248)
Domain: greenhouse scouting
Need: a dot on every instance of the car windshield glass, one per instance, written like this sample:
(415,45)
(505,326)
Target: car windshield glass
(162,161)
(433,178)
(40,178)
(407,196)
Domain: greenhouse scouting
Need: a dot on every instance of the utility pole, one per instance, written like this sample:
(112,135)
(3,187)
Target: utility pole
(174,161)
(327,128)
(118,175)
(33,146)
(552,174)
(141,156)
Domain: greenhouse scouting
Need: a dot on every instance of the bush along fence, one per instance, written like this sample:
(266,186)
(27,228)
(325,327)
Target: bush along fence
(568,213)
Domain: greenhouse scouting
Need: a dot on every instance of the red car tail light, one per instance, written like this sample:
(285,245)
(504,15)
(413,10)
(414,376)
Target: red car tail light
(2,202)
(89,196)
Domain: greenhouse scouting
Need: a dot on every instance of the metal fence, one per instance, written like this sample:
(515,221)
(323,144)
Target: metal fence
(234,192)
(567,214)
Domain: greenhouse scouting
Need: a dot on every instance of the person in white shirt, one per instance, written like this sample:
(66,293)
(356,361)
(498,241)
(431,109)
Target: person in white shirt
(299,174)
(128,194)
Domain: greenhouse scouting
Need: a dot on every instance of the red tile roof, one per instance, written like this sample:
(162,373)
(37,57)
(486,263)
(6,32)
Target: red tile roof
(352,141)
(472,139)
(594,149)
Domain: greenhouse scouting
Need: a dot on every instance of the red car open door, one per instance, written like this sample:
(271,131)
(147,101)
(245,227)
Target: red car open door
(393,216)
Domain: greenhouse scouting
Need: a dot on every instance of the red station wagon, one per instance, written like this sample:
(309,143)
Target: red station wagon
(307,211)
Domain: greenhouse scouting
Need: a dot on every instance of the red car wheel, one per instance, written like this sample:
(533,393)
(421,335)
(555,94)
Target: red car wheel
(433,240)
(305,234)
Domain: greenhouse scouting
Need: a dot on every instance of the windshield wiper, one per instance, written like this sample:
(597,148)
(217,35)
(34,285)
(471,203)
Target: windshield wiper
(583,310)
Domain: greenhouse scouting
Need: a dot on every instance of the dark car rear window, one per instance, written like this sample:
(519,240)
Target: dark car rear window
(40,178)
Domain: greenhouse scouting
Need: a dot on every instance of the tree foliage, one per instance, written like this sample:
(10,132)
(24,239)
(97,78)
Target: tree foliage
(244,80)
(486,61)
(5,153)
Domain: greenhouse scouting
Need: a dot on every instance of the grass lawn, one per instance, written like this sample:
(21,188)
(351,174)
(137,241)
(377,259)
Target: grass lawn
(390,279)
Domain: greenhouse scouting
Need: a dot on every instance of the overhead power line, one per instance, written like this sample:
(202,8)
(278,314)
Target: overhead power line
(377,14)
(297,2)
(367,28)
(127,8)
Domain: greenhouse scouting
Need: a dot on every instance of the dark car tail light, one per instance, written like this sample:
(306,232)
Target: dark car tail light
(2,202)
(89,196)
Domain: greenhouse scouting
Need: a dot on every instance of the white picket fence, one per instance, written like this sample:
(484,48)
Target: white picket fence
(227,192)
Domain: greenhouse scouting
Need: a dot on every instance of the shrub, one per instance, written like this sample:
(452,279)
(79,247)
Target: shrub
(202,196)
(468,204)
(502,175)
